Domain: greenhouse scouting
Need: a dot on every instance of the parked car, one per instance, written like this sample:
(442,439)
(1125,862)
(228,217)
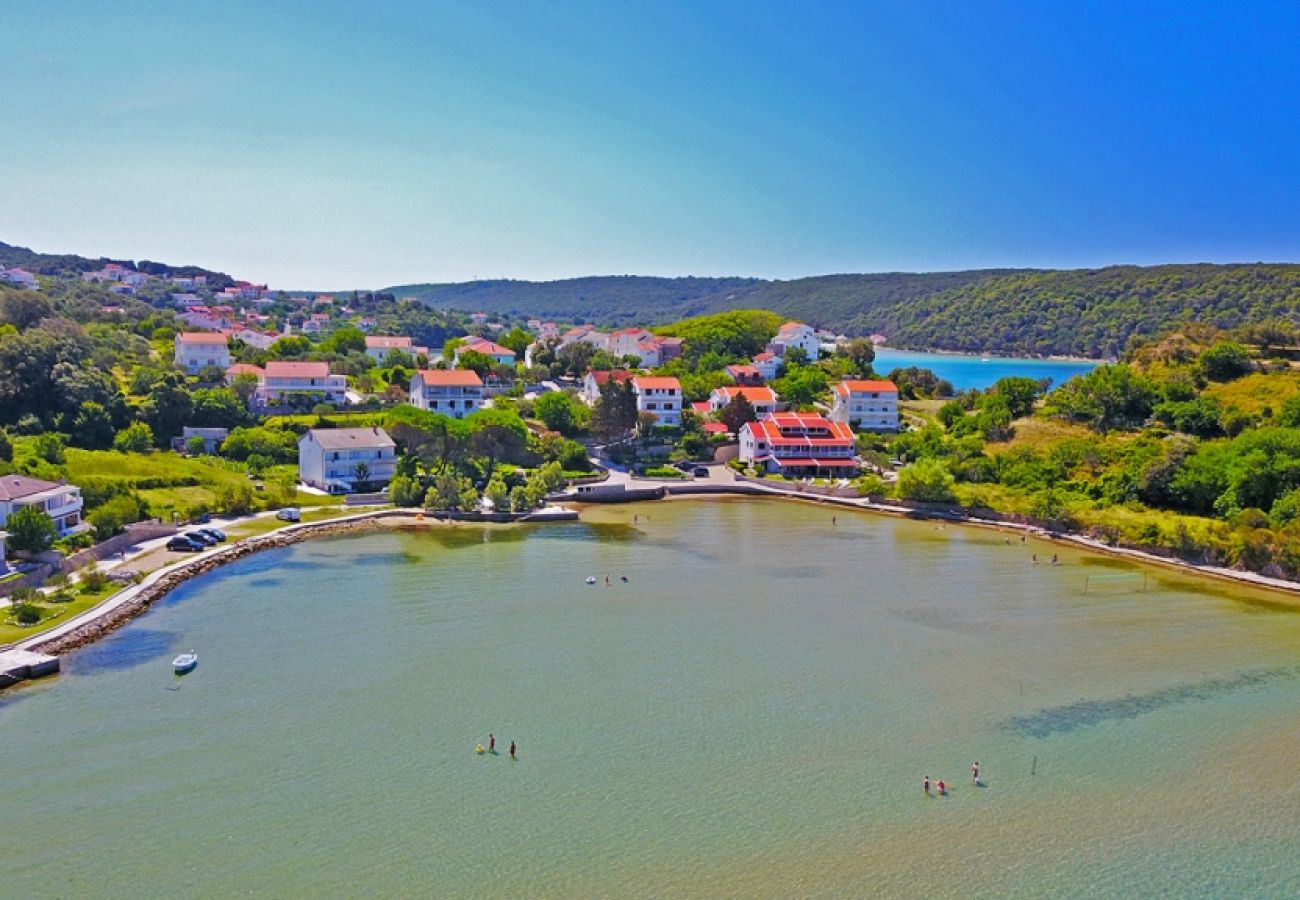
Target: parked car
(184,543)
(200,538)
(289,514)
(700,472)
(215,533)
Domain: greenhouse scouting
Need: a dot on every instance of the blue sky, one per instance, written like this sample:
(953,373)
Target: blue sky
(333,145)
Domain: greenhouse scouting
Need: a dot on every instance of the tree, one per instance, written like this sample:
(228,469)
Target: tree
(50,447)
(361,473)
(6,448)
(196,446)
(576,357)
(927,480)
(244,386)
(516,339)
(800,386)
(168,407)
(31,530)
(614,414)
(1225,361)
(23,309)
(475,361)
(862,353)
(497,493)
(93,427)
(404,491)
(737,412)
(293,346)
(798,356)
(495,443)
(1115,396)
(556,410)
(346,340)
(134,438)
(1019,392)
(218,407)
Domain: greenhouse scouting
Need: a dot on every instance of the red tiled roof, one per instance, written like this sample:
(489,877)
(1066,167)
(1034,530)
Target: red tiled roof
(620,376)
(844,388)
(764,356)
(245,369)
(282,369)
(753,394)
(450,378)
(702,407)
(744,371)
(201,337)
(483,345)
(15,487)
(714,427)
(661,382)
(379,340)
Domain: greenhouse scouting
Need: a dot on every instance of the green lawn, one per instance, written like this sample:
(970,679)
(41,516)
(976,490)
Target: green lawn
(54,614)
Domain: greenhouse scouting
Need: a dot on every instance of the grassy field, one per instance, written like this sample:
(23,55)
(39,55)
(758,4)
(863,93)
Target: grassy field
(54,614)
(1253,393)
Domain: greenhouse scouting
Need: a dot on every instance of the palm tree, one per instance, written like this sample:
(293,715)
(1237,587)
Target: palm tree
(361,472)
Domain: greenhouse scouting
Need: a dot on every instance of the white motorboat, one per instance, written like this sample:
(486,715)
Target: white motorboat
(185,662)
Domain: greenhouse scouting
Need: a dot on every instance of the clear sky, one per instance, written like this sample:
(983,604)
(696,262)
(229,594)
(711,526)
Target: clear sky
(333,145)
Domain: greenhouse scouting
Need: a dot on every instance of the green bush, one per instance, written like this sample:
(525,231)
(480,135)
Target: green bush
(27,614)
(664,472)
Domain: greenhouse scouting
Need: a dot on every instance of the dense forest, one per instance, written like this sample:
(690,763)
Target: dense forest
(1085,312)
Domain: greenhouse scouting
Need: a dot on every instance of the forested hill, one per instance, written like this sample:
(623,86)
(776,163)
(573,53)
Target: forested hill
(69,265)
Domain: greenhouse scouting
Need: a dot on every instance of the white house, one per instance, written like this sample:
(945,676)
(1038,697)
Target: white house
(378,346)
(767,363)
(588,334)
(763,399)
(591,385)
(197,350)
(259,339)
(796,334)
(282,381)
(799,445)
(867,405)
(20,277)
(61,502)
(501,356)
(660,396)
(453,392)
(339,459)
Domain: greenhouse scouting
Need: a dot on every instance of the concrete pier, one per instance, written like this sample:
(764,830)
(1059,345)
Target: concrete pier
(19,665)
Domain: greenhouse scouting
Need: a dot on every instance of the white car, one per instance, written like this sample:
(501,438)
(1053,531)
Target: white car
(289,514)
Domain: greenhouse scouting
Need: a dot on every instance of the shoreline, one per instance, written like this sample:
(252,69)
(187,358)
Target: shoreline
(135,600)
(1051,357)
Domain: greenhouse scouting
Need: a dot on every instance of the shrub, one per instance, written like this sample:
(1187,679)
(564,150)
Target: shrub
(404,491)
(50,447)
(92,580)
(928,481)
(134,438)
(31,530)
(27,614)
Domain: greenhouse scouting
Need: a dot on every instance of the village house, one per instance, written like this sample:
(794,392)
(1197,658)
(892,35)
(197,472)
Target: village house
(341,460)
(186,301)
(866,405)
(198,350)
(596,378)
(61,502)
(762,399)
(453,392)
(378,346)
(660,396)
(501,356)
(745,375)
(20,277)
(800,445)
(283,381)
(257,339)
(795,334)
(587,334)
(212,439)
(767,364)
(205,317)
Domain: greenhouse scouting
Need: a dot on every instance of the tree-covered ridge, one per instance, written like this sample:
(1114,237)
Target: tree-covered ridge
(1085,312)
(70,265)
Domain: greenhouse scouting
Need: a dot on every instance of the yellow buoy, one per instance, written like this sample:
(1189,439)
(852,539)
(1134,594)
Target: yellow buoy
(478,749)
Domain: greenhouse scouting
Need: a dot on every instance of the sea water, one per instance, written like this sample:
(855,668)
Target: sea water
(751,713)
(981,371)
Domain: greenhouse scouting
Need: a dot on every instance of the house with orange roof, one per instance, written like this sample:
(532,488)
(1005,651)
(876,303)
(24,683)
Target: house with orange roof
(800,445)
(869,405)
(452,392)
(597,378)
(501,356)
(659,395)
(283,382)
(378,346)
(767,364)
(762,399)
(198,350)
(744,374)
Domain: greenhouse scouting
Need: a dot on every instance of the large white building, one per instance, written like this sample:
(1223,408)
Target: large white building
(762,399)
(198,350)
(659,395)
(867,405)
(796,334)
(61,502)
(281,382)
(339,460)
(453,392)
(800,445)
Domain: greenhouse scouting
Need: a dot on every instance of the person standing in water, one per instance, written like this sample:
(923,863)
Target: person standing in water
(943,788)
(492,743)
(975,772)
(512,750)
(925,785)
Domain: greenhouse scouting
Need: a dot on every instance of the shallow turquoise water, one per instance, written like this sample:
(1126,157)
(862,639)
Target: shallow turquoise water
(981,372)
(750,715)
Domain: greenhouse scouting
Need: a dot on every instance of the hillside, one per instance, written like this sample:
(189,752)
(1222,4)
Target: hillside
(1084,312)
(69,265)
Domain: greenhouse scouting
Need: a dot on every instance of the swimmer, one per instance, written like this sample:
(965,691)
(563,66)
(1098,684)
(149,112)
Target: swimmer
(975,772)
(835,520)
(606,581)
(943,788)
(623,578)
(1035,559)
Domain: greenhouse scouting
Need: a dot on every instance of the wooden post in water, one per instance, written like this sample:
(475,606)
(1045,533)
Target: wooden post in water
(1034,768)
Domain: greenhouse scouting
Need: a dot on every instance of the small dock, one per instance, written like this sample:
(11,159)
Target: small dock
(20,665)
